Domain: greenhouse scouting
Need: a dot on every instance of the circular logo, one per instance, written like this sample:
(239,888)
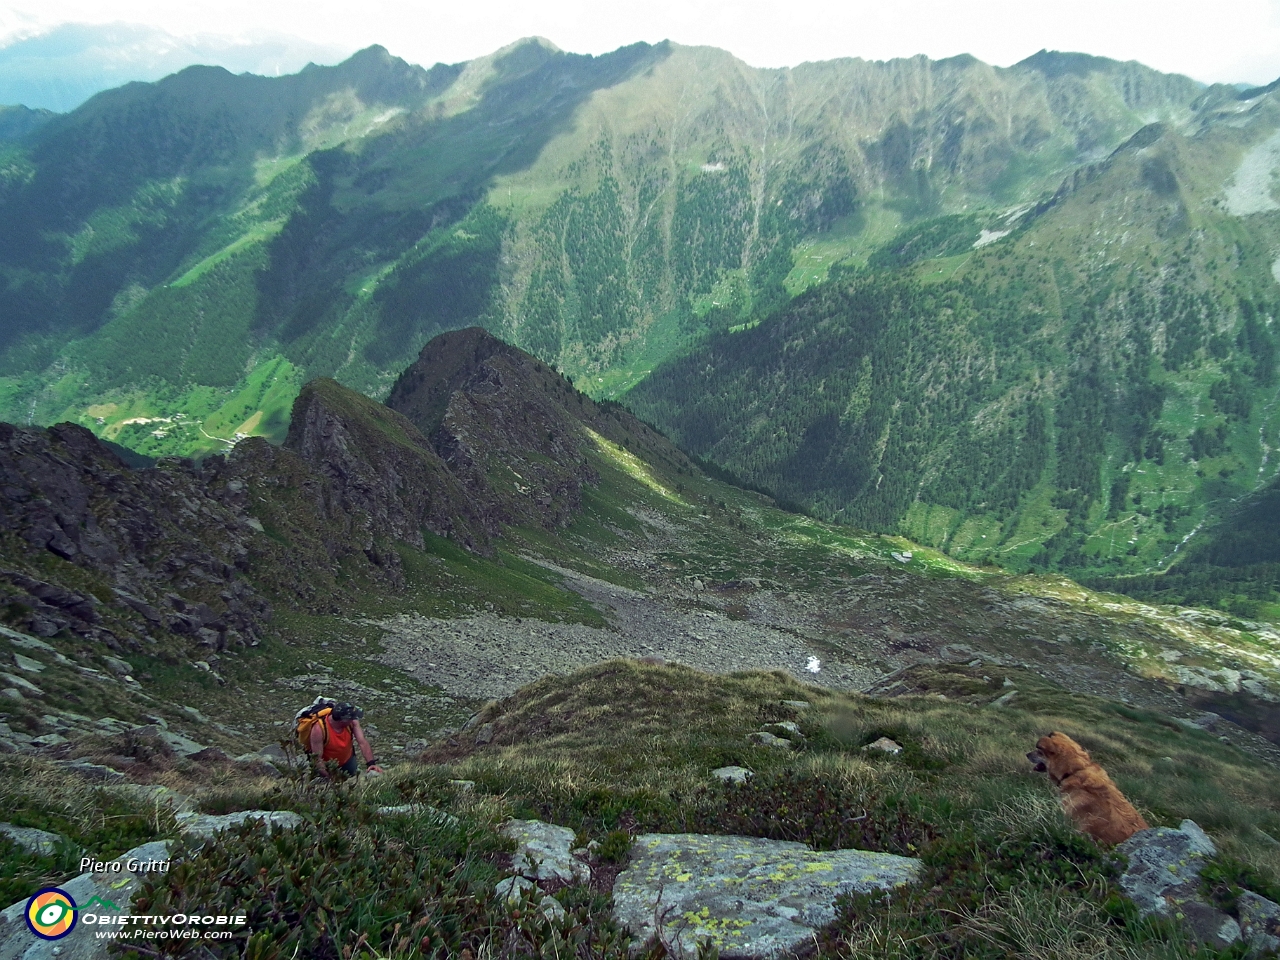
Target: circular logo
(51,913)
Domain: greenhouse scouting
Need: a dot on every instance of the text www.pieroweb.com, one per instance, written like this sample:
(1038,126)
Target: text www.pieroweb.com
(172,927)
(141,933)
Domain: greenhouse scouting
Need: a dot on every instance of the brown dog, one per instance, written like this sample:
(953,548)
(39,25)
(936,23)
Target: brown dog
(1088,796)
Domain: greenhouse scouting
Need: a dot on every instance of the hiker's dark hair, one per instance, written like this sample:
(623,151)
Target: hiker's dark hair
(347,711)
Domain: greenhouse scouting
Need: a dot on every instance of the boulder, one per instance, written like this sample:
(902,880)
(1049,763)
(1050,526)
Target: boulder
(789,729)
(27,664)
(764,739)
(885,745)
(202,826)
(1163,878)
(543,852)
(30,839)
(1259,922)
(733,774)
(117,666)
(749,897)
(113,890)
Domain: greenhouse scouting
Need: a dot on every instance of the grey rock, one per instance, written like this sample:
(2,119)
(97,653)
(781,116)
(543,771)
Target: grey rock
(551,909)
(1259,922)
(733,774)
(26,686)
(117,666)
(789,728)
(49,740)
(484,734)
(1005,699)
(797,704)
(16,941)
(885,745)
(1163,876)
(30,839)
(26,642)
(27,664)
(182,746)
(154,795)
(420,810)
(764,739)
(202,826)
(513,889)
(463,786)
(543,852)
(750,897)
(97,772)
(13,693)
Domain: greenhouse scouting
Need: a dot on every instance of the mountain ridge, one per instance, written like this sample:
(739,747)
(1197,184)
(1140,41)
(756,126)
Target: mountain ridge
(606,213)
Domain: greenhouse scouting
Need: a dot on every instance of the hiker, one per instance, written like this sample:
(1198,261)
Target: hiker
(330,739)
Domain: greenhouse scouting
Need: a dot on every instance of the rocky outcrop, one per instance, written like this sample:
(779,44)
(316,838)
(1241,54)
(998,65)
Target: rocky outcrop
(32,840)
(748,896)
(382,477)
(169,553)
(501,420)
(512,429)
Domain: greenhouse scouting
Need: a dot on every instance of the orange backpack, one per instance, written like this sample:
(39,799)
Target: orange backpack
(306,718)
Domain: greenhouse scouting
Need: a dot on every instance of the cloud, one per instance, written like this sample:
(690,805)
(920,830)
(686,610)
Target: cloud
(1238,40)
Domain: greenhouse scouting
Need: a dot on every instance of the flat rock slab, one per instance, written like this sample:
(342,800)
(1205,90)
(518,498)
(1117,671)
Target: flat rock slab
(750,897)
(420,810)
(543,852)
(30,839)
(17,941)
(154,795)
(202,826)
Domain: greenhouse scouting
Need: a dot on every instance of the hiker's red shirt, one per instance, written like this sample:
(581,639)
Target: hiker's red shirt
(338,745)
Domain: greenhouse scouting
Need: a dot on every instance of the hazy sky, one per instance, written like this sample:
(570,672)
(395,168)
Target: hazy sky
(1227,40)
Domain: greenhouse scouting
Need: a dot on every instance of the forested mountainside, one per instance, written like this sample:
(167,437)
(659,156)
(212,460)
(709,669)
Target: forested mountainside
(252,232)
(1023,314)
(1083,391)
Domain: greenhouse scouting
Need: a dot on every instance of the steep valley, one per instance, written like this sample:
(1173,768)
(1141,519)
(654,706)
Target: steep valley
(625,217)
(539,595)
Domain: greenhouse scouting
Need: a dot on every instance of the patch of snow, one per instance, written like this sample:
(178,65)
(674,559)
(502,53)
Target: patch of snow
(716,167)
(989,236)
(814,665)
(1251,188)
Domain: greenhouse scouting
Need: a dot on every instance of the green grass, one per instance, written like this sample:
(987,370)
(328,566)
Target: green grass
(623,747)
(259,233)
